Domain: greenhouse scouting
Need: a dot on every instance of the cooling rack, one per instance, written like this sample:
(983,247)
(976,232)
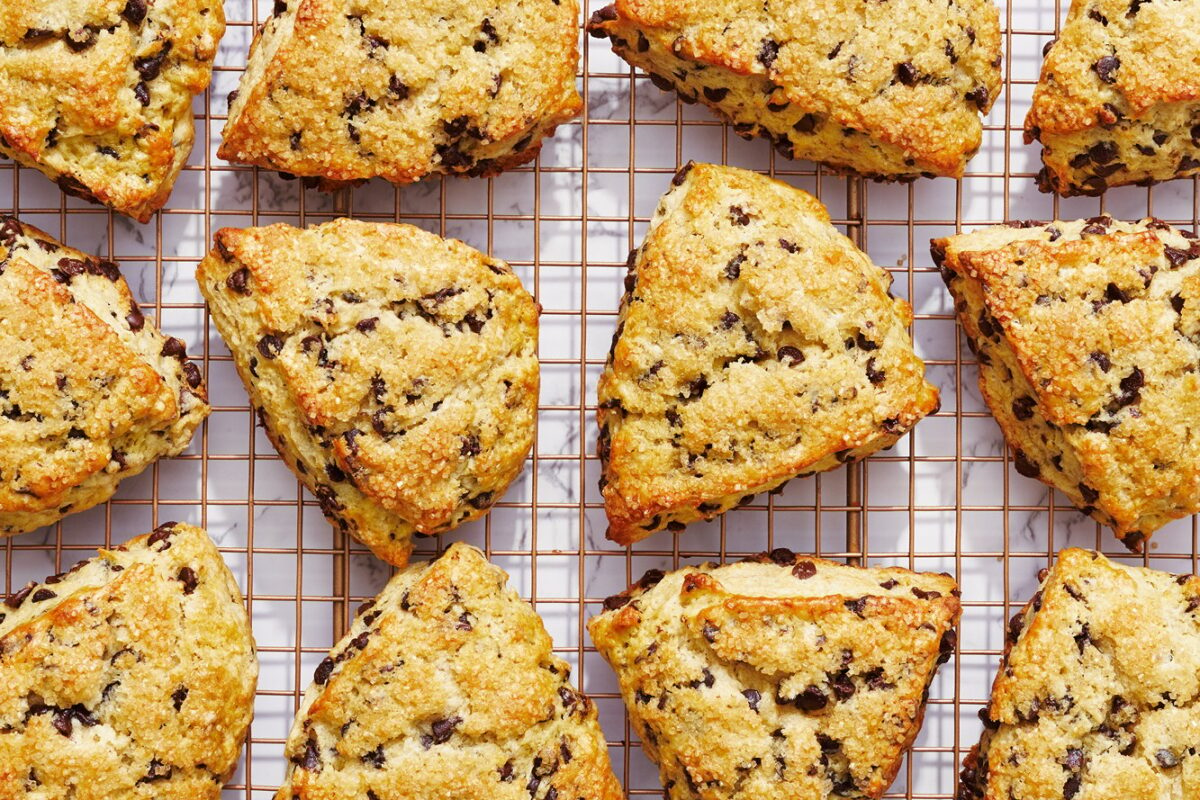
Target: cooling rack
(946,498)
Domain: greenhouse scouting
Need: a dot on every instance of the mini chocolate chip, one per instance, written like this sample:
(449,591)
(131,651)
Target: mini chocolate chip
(142,93)
(906,73)
(374,757)
(768,51)
(178,697)
(790,356)
(1105,67)
(875,376)
(150,67)
(1131,386)
(811,699)
(1115,293)
(470,446)
(270,346)
(857,605)
(238,281)
(729,319)
(187,576)
(1101,360)
(921,594)
(753,696)
(174,348)
(443,729)
(1177,304)
(1024,466)
(734,268)
(1023,407)
(367,325)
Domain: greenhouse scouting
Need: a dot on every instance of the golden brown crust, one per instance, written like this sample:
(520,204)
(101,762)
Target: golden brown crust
(780,677)
(131,676)
(447,686)
(1117,101)
(755,343)
(889,90)
(90,391)
(1096,693)
(393,369)
(1088,336)
(346,90)
(97,95)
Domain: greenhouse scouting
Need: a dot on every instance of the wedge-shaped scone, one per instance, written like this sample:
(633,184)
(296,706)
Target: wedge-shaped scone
(889,90)
(340,91)
(779,677)
(130,676)
(90,391)
(98,95)
(394,370)
(755,343)
(1118,100)
(1096,694)
(446,686)
(1088,340)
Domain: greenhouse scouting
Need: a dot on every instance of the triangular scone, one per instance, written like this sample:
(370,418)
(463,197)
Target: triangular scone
(781,676)
(755,343)
(90,391)
(345,90)
(446,686)
(130,676)
(889,90)
(98,95)
(1096,695)
(1118,100)
(1088,337)
(394,370)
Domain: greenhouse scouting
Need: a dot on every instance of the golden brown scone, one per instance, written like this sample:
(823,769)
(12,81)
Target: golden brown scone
(782,677)
(130,676)
(395,371)
(340,91)
(1096,694)
(446,686)
(755,343)
(889,90)
(1088,339)
(90,391)
(1118,101)
(97,94)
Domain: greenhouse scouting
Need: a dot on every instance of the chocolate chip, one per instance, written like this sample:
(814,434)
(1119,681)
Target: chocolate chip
(729,319)
(1106,67)
(875,376)
(270,346)
(1071,787)
(790,356)
(753,696)
(1177,257)
(150,67)
(374,757)
(134,12)
(715,94)
(178,697)
(142,93)
(310,759)
(921,594)
(811,699)
(187,576)
(1177,304)
(842,685)
(734,268)
(41,595)
(1166,759)
(366,325)
(1024,466)
(738,216)
(1115,293)
(804,570)
(1131,386)
(1023,407)
(135,319)
(455,127)
(906,73)
(857,605)
(1101,360)
(443,729)
(80,39)
(324,670)
(480,501)
(191,374)
(1103,152)
(238,281)
(768,51)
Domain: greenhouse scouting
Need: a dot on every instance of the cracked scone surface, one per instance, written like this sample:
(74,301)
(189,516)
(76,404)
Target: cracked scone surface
(782,676)
(446,686)
(394,370)
(344,90)
(1088,340)
(90,391)
(755,343)
(98,95)
(888,90)
(130,676)
(1118,101)
(1096,694)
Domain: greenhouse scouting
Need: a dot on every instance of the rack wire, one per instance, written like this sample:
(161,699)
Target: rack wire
(946,498)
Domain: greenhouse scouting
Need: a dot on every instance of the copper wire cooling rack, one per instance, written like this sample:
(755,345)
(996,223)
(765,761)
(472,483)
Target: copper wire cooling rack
(945,499)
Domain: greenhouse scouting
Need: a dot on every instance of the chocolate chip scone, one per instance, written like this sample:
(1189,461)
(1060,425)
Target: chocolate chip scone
(780,676)
(130,676)
(339,91)
(1088,339)
(1096,697)
(90,391)
(446,686)
(888,90)
(1118,100)
(755,343)
(98,95)
(395,371)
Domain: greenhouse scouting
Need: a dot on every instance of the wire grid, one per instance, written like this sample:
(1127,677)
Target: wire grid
(946,498)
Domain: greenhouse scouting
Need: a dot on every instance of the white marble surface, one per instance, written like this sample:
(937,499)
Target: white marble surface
(937,501)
